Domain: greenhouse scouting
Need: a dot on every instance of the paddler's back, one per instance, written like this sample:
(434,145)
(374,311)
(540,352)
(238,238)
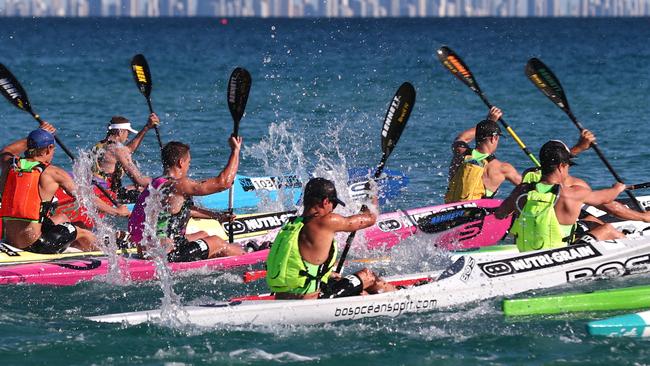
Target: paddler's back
(316,236)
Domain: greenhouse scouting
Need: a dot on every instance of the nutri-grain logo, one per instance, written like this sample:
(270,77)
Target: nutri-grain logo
(539,260)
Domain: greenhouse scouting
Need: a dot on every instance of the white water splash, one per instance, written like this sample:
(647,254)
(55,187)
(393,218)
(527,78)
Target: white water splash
(170,309)
(281,153)
(83,177)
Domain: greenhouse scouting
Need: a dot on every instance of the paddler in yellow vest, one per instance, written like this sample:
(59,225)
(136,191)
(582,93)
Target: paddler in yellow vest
(114,157)
(477,173)
(28,185)
(548,209)
(303,254)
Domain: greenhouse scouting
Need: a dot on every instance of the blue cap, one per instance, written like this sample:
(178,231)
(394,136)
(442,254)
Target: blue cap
(39,138)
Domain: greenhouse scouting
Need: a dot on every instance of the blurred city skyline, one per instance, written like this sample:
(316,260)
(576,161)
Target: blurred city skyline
(324,8)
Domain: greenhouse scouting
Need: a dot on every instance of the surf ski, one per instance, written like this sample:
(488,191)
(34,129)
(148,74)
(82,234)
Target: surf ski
(465,281)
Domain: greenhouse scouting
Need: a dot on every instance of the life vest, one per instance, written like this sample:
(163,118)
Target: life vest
(532,176)
(537,226)
(113,180)
(285,268)
(467,183)
(168,225)
(21,198)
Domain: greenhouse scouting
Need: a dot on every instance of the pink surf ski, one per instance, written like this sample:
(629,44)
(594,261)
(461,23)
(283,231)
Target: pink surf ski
(66,272)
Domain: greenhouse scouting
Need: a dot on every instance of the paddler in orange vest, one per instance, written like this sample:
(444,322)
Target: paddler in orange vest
(477,173)
(114,157)
(28,186)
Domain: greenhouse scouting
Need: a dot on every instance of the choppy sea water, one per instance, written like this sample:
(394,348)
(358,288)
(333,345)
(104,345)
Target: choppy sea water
(320,91)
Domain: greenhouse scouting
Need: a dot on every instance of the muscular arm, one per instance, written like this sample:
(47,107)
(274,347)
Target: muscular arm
(219,183)
(7,153)
(619,210)
(602,196)
(511,174)
(360,221)
(137,140)
(123,156)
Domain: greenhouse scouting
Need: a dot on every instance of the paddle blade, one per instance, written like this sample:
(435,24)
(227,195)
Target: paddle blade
(396,117)
(12,90)
(239,85)
(141,74)
(456,66)
(446,220)
(545,80)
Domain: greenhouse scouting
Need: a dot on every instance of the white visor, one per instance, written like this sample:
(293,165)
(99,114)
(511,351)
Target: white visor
(122,126)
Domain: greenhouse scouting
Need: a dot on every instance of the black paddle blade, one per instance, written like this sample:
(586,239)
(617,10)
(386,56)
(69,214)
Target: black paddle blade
(456,66)
(545,80)
(141,74)
(239,85)
(12,90)
(396,117)
(446,220)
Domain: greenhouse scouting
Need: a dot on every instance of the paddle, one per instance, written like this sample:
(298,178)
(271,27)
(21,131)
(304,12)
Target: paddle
(239,85)
(16,95)
(544,79)
(457,67)
(142,77)
(396,117)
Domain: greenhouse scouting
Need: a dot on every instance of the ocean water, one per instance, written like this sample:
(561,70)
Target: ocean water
(320,91)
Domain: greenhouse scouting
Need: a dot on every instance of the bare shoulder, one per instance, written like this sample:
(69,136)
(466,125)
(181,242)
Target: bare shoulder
(574,181)
(576,191)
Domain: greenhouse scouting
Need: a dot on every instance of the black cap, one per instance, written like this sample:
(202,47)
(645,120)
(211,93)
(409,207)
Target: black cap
(487,128)
(318,189)
(555,152)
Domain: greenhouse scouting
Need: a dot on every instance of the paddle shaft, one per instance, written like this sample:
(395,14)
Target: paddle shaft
(67,151)
(604,160)
(512,133)
(231,192)
(155,127)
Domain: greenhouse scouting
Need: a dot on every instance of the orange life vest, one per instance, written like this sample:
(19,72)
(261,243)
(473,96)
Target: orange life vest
(21,198)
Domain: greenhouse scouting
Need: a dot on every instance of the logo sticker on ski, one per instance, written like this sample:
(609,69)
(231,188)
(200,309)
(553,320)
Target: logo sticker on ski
(535,261)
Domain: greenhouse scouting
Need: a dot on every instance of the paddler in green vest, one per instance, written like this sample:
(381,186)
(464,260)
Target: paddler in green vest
(113,157)
(548,209)
(477,173)
(303,254)
(587,222)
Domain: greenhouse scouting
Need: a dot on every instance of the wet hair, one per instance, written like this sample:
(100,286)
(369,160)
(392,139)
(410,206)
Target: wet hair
(173,152)
(36,152)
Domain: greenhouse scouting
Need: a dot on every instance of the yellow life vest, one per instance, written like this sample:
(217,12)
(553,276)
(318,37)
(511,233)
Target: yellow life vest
(467,183)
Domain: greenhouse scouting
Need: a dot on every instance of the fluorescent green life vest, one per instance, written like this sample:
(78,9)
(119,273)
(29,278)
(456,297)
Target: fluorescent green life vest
(286,271)
(467,183)
(532,176)
(537,226)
